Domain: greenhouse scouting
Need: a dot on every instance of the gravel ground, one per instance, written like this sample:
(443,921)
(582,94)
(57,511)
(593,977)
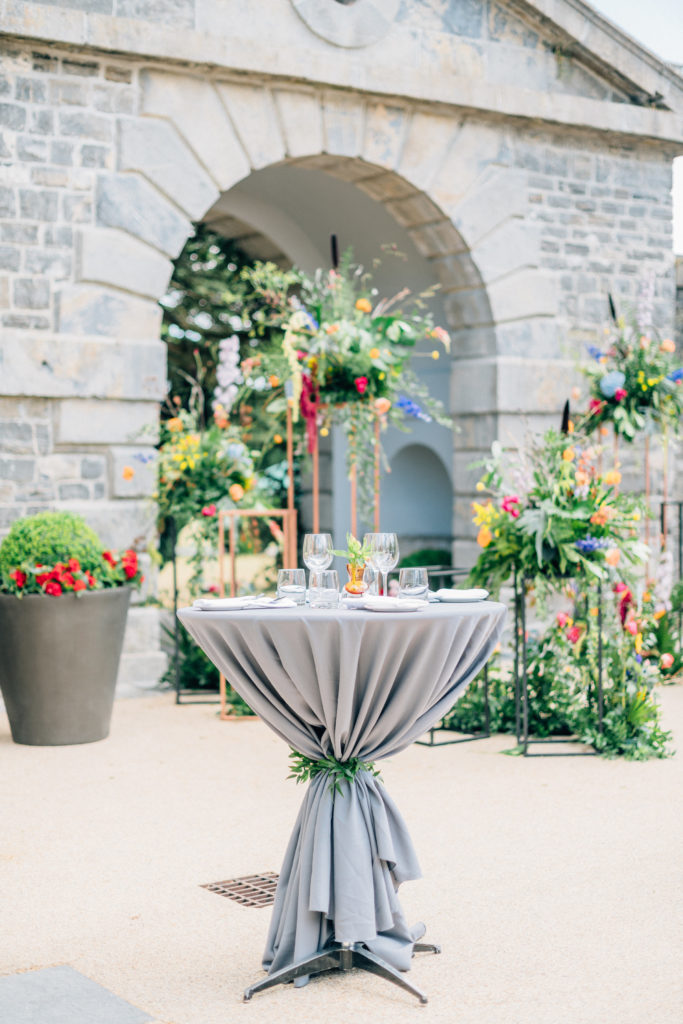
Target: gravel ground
(555,885)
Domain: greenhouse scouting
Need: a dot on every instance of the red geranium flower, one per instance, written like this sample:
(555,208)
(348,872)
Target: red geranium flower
(67,579)
(19,577)
(574,635)
(92,582)
(108,557)
(79,585)
(53,588)
(42,578)
(620,394)
(130,564)
(361,384)
(74,565)
(595,405)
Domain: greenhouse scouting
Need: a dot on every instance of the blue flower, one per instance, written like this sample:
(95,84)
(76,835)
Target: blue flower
(594,352)
(312,322)
(411,408)
(639,658)
(610,382)
(590,544)
(675,375)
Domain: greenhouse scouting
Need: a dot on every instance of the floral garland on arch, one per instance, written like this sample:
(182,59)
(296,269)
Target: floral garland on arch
(346,353)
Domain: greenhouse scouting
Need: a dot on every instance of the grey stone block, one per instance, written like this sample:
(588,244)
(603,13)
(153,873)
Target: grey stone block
(24,322)
(29,148)
(43,438)
(77,208)
(91,467)
(9,258)
(70,92)
(31,293)
(77,492)
(62,153)
(30,90)
(61,236)
(132,204)
(16,438)
(42,122)
(45,63)
(50,177)
(44,261)
(176,13)
(82,123)
(61,995)
(12,116)
(87,68)
(8,203)
(20,470)
(113,99)
(116,74)
(38,205)
(95,156)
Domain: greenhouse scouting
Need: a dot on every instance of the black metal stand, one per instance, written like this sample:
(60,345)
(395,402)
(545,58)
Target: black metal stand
(466,737)
(663,522)
(342,956)
(180,693)
(522,684)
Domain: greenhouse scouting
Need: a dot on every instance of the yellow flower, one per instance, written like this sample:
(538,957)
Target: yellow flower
(381,376)
(647,596)
(639,642)
(568,454)
(636,516)
(374,353)
(593,612)
(324,431)
(364,305)
(651,381)
(128,473)
(667,345)
(435,353)
(480,485)
(483,513)
(484,537)
(612,477)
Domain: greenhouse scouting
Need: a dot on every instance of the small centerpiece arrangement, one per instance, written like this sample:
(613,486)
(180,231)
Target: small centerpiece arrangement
(356,555)
(63,606)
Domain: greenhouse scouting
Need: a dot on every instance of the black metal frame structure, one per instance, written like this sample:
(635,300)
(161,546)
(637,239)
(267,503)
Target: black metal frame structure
(663,524)
(342,956)
(522,683)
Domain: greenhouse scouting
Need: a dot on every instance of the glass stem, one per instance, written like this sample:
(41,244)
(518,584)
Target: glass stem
(385,590)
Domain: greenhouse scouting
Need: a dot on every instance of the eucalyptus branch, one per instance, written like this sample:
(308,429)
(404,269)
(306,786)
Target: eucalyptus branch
(305,769)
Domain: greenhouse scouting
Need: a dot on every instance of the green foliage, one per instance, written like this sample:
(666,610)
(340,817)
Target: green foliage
(50,537)
(198,672)
(355,553)
(427,557)
(304,768)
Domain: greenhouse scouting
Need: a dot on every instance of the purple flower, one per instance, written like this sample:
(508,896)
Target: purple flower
(411,408)
(639,658)
(589,544)
(594,352)
(675,375)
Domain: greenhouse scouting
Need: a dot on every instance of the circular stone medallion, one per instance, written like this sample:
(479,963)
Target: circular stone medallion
(349,23)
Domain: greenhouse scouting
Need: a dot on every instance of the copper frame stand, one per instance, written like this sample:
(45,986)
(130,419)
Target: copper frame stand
(342,956)
(288,517)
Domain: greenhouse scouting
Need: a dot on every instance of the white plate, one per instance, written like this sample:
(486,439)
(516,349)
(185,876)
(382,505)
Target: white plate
(461,596)
(392,604)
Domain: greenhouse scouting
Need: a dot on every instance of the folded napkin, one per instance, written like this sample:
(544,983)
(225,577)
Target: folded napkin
(233,604)
(477,594)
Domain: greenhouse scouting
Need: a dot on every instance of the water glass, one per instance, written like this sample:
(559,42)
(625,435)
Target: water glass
(317,550)
(291,583)
(383,555)
(323,588)
(413,584)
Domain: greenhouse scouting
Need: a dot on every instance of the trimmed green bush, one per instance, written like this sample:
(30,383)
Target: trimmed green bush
(50,537)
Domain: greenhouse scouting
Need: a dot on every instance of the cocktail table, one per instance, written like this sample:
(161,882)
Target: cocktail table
(347,687)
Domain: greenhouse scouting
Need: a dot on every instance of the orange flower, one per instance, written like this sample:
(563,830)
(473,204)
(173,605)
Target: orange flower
(667,345)
(612,477)
(374,353)
(604,431)
(568,454)
(277,438)
(382,406)
(175,424)
(484,537)
(602,515)
(576,393)
(128,473)
(236,492)
(644,342)
(332,328)
(582,478)
(364,305)
(273,380)
(613,556)
(660,613)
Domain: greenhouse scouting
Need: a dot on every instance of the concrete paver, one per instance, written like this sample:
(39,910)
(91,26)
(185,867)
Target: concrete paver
(554,885)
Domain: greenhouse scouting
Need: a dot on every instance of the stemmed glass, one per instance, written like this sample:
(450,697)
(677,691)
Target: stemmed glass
(383,555)
(317,551)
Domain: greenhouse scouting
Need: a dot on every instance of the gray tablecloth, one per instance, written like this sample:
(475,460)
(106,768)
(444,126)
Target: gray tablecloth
(347,684)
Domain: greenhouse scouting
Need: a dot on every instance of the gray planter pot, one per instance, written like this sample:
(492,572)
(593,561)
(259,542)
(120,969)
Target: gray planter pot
(59,661)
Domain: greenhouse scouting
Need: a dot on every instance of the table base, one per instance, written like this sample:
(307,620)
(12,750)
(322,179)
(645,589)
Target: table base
(343,957)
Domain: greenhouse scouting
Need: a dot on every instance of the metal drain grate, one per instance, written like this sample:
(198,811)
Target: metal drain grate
(250,891)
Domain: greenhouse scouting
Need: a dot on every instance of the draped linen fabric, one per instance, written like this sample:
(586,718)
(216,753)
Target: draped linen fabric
(347,684)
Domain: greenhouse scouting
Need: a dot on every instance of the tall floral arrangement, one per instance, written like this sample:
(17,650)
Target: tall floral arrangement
(346,354)
(549,514)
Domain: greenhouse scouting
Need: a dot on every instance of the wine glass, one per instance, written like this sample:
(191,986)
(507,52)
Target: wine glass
(317,551)
(383,554)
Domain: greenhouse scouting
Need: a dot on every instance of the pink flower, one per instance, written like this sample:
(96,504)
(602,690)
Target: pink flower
(631,627)
(595,405)
(209,510)
(574,635)
(666,660)
(509,503)
(620,394)
(361,384)
(562,619)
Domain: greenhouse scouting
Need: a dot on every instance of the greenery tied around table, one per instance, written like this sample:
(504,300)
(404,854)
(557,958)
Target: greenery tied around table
(305,769)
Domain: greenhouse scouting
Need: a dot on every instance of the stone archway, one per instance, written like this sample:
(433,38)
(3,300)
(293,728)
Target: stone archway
(445,178)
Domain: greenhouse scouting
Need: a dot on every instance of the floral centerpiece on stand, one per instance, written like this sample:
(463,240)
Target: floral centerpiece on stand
(345,354)
(550,515)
